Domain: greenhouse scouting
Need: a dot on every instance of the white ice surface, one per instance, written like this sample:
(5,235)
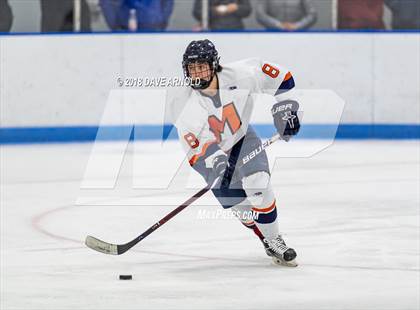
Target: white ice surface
(351,212)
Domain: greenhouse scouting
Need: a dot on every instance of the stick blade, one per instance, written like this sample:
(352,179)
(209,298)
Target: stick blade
(101,246)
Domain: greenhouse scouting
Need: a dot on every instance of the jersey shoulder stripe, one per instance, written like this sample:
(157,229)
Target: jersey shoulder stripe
(287,84)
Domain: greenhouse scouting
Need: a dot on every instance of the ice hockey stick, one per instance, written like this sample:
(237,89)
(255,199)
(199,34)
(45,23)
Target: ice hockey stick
(118,249)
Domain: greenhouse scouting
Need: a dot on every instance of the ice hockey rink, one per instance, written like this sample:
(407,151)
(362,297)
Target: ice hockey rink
(350,211)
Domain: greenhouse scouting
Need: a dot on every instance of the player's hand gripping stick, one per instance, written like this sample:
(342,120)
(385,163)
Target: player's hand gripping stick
(286,119)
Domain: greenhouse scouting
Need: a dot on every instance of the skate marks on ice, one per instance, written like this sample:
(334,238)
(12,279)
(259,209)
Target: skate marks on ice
(352,217)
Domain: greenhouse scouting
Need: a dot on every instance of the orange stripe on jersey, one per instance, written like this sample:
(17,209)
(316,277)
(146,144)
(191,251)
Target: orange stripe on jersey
(194,159)
(287,77)
(249,223)
(265,210)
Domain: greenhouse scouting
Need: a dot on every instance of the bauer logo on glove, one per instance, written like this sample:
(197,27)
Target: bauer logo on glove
(285,118)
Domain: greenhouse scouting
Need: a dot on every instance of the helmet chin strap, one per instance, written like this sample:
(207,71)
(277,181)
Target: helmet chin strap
(203,83)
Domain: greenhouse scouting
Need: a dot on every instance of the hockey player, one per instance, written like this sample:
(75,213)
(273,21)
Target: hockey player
(213,127)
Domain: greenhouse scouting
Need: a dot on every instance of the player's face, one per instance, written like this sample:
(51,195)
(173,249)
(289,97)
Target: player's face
(200,70)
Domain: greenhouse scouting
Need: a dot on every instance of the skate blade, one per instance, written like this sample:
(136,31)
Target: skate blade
(280,262)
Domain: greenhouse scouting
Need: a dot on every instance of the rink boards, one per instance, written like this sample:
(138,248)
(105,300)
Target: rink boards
(55,88)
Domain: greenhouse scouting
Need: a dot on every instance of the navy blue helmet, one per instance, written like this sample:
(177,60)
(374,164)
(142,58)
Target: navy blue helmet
(201,51)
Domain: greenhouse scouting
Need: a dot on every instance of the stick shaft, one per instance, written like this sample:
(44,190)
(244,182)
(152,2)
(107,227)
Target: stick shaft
(165,219)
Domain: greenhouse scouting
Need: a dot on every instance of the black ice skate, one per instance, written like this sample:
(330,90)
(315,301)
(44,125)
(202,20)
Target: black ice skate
(280,252)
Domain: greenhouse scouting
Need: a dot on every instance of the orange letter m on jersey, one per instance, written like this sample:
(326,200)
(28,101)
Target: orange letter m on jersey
(229,116)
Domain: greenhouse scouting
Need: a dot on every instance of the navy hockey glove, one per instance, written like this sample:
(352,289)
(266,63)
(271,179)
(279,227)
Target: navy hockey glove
(285,118)
(220,164)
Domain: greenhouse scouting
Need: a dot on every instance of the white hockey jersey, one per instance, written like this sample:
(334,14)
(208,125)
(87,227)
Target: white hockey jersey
(201,122)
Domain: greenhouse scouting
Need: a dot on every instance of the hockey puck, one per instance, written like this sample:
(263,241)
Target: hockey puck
(126,277)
